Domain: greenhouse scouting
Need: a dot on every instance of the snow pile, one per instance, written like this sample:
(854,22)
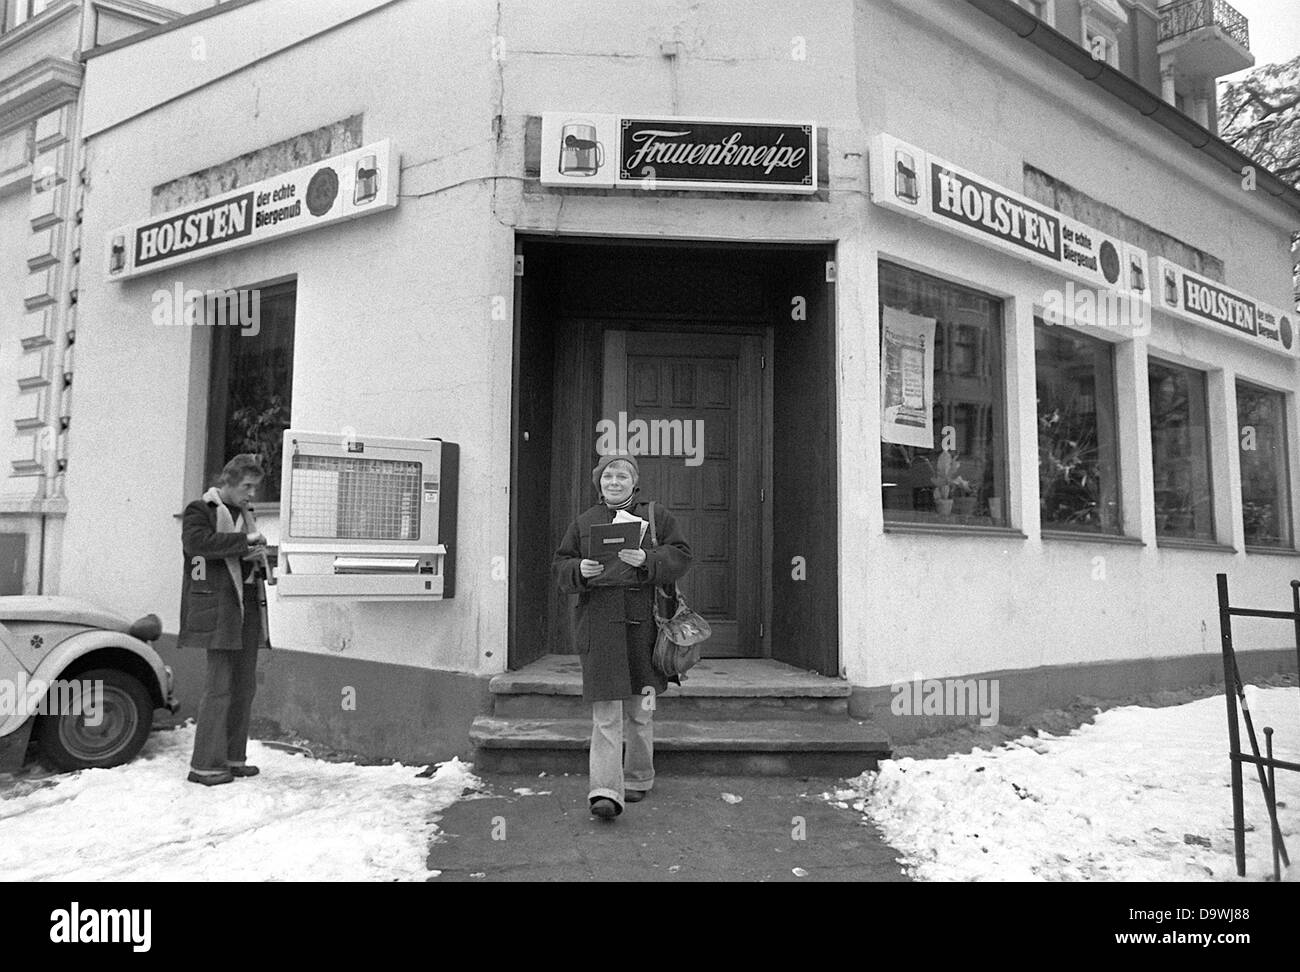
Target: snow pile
(1141,794)
(301,820)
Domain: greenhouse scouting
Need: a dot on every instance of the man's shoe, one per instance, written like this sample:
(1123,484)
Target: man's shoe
(633,796)
(605,808)
(242,769)
(210,779)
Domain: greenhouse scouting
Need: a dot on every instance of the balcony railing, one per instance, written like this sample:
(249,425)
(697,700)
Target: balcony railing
(1185,16)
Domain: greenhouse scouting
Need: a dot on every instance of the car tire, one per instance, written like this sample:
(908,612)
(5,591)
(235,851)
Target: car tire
(67,743)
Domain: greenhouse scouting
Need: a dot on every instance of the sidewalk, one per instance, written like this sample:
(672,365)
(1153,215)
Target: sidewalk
(683,831)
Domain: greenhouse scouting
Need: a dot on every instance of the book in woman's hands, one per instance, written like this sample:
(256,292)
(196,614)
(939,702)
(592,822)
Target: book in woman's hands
(607,539)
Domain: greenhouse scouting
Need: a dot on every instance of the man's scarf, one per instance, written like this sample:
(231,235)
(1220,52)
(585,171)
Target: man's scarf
(226,524)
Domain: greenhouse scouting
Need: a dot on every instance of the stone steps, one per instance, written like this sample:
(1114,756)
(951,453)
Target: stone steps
(730,716)
(771,747)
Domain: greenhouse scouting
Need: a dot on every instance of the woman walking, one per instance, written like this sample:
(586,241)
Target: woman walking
(614,632)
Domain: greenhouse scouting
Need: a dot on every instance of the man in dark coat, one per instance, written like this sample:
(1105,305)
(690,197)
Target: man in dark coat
(221,598)
(614,632)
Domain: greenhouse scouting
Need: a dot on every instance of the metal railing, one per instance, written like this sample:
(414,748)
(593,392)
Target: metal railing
(1234,692)
(1185,16)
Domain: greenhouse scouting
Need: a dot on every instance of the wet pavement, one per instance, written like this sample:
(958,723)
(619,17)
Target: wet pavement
(693,828)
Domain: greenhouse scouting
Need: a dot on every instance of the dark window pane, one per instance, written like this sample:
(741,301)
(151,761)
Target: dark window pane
(968,397)
(1180,452)
(251,387)
(1078,457)
(1265,484)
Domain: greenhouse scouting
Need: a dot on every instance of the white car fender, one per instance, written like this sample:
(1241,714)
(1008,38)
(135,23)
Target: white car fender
(78,646)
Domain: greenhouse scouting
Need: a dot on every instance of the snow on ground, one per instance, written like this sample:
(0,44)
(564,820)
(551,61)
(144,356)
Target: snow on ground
(1141,794)
(302,819)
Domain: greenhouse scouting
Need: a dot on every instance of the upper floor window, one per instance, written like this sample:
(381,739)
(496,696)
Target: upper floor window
(1042,9)
(1103,46)
(17,12)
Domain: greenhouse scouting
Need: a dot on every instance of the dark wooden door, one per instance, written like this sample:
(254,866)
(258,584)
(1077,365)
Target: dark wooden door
(681,388)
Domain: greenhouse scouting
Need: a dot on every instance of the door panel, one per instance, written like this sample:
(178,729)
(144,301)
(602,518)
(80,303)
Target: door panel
(677,384)
(13,561)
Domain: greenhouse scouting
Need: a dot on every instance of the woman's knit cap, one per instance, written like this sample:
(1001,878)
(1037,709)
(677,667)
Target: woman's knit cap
(606,460)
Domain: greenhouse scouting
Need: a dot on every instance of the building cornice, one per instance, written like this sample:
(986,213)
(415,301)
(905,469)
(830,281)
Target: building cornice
(37,88)
(138,9)
(1025,25)
(179,22)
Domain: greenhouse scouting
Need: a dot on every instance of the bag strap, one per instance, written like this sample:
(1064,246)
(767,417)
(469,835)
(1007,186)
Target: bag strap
(660,591)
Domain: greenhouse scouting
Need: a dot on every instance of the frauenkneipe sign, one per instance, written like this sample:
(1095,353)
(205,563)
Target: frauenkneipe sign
(333,190)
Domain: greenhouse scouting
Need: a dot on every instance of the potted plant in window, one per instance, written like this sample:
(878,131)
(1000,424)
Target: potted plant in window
(968,502)
(258,428)
(1068,456)
(945,479)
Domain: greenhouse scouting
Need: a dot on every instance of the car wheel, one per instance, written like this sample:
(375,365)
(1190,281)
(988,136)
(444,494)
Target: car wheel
(68,742)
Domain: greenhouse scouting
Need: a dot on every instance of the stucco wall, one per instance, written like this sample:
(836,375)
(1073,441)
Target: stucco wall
(395,333)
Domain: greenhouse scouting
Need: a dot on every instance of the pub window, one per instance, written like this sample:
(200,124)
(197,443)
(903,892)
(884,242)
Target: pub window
(953,469)
(1180,452)
(1265,483)
(1078,451)
(250,389)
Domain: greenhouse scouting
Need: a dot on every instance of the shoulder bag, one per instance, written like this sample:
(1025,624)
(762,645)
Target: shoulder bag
(677,647)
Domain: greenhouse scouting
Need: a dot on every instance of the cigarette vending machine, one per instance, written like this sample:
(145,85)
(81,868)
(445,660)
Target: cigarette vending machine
(367,519)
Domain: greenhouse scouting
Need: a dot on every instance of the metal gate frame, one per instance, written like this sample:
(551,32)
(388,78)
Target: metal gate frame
(1234,692)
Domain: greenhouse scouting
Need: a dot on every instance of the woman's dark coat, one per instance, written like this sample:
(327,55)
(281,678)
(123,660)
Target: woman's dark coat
(210,612)
(613,621)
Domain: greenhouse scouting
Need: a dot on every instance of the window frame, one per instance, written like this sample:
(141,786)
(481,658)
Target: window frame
(991,340)
(1202,377)
(1052,529)
(15,13)
(216,416)
(1287,542)
(1047,14)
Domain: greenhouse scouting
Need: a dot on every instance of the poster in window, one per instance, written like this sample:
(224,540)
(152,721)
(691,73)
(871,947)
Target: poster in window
(906,378)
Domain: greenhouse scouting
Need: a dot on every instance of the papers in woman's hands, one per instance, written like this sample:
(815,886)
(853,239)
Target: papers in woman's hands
(623,516)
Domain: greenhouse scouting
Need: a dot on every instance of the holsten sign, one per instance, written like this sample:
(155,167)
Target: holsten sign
(1190,296)
(332,190)
(911,181)
(678,153)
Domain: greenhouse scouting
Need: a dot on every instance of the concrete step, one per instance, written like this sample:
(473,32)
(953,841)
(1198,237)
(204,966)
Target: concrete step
(831,745)
(742,689)
(676,706)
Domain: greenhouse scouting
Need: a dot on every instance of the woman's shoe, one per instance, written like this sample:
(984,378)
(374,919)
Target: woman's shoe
(605,808)
(633,796)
